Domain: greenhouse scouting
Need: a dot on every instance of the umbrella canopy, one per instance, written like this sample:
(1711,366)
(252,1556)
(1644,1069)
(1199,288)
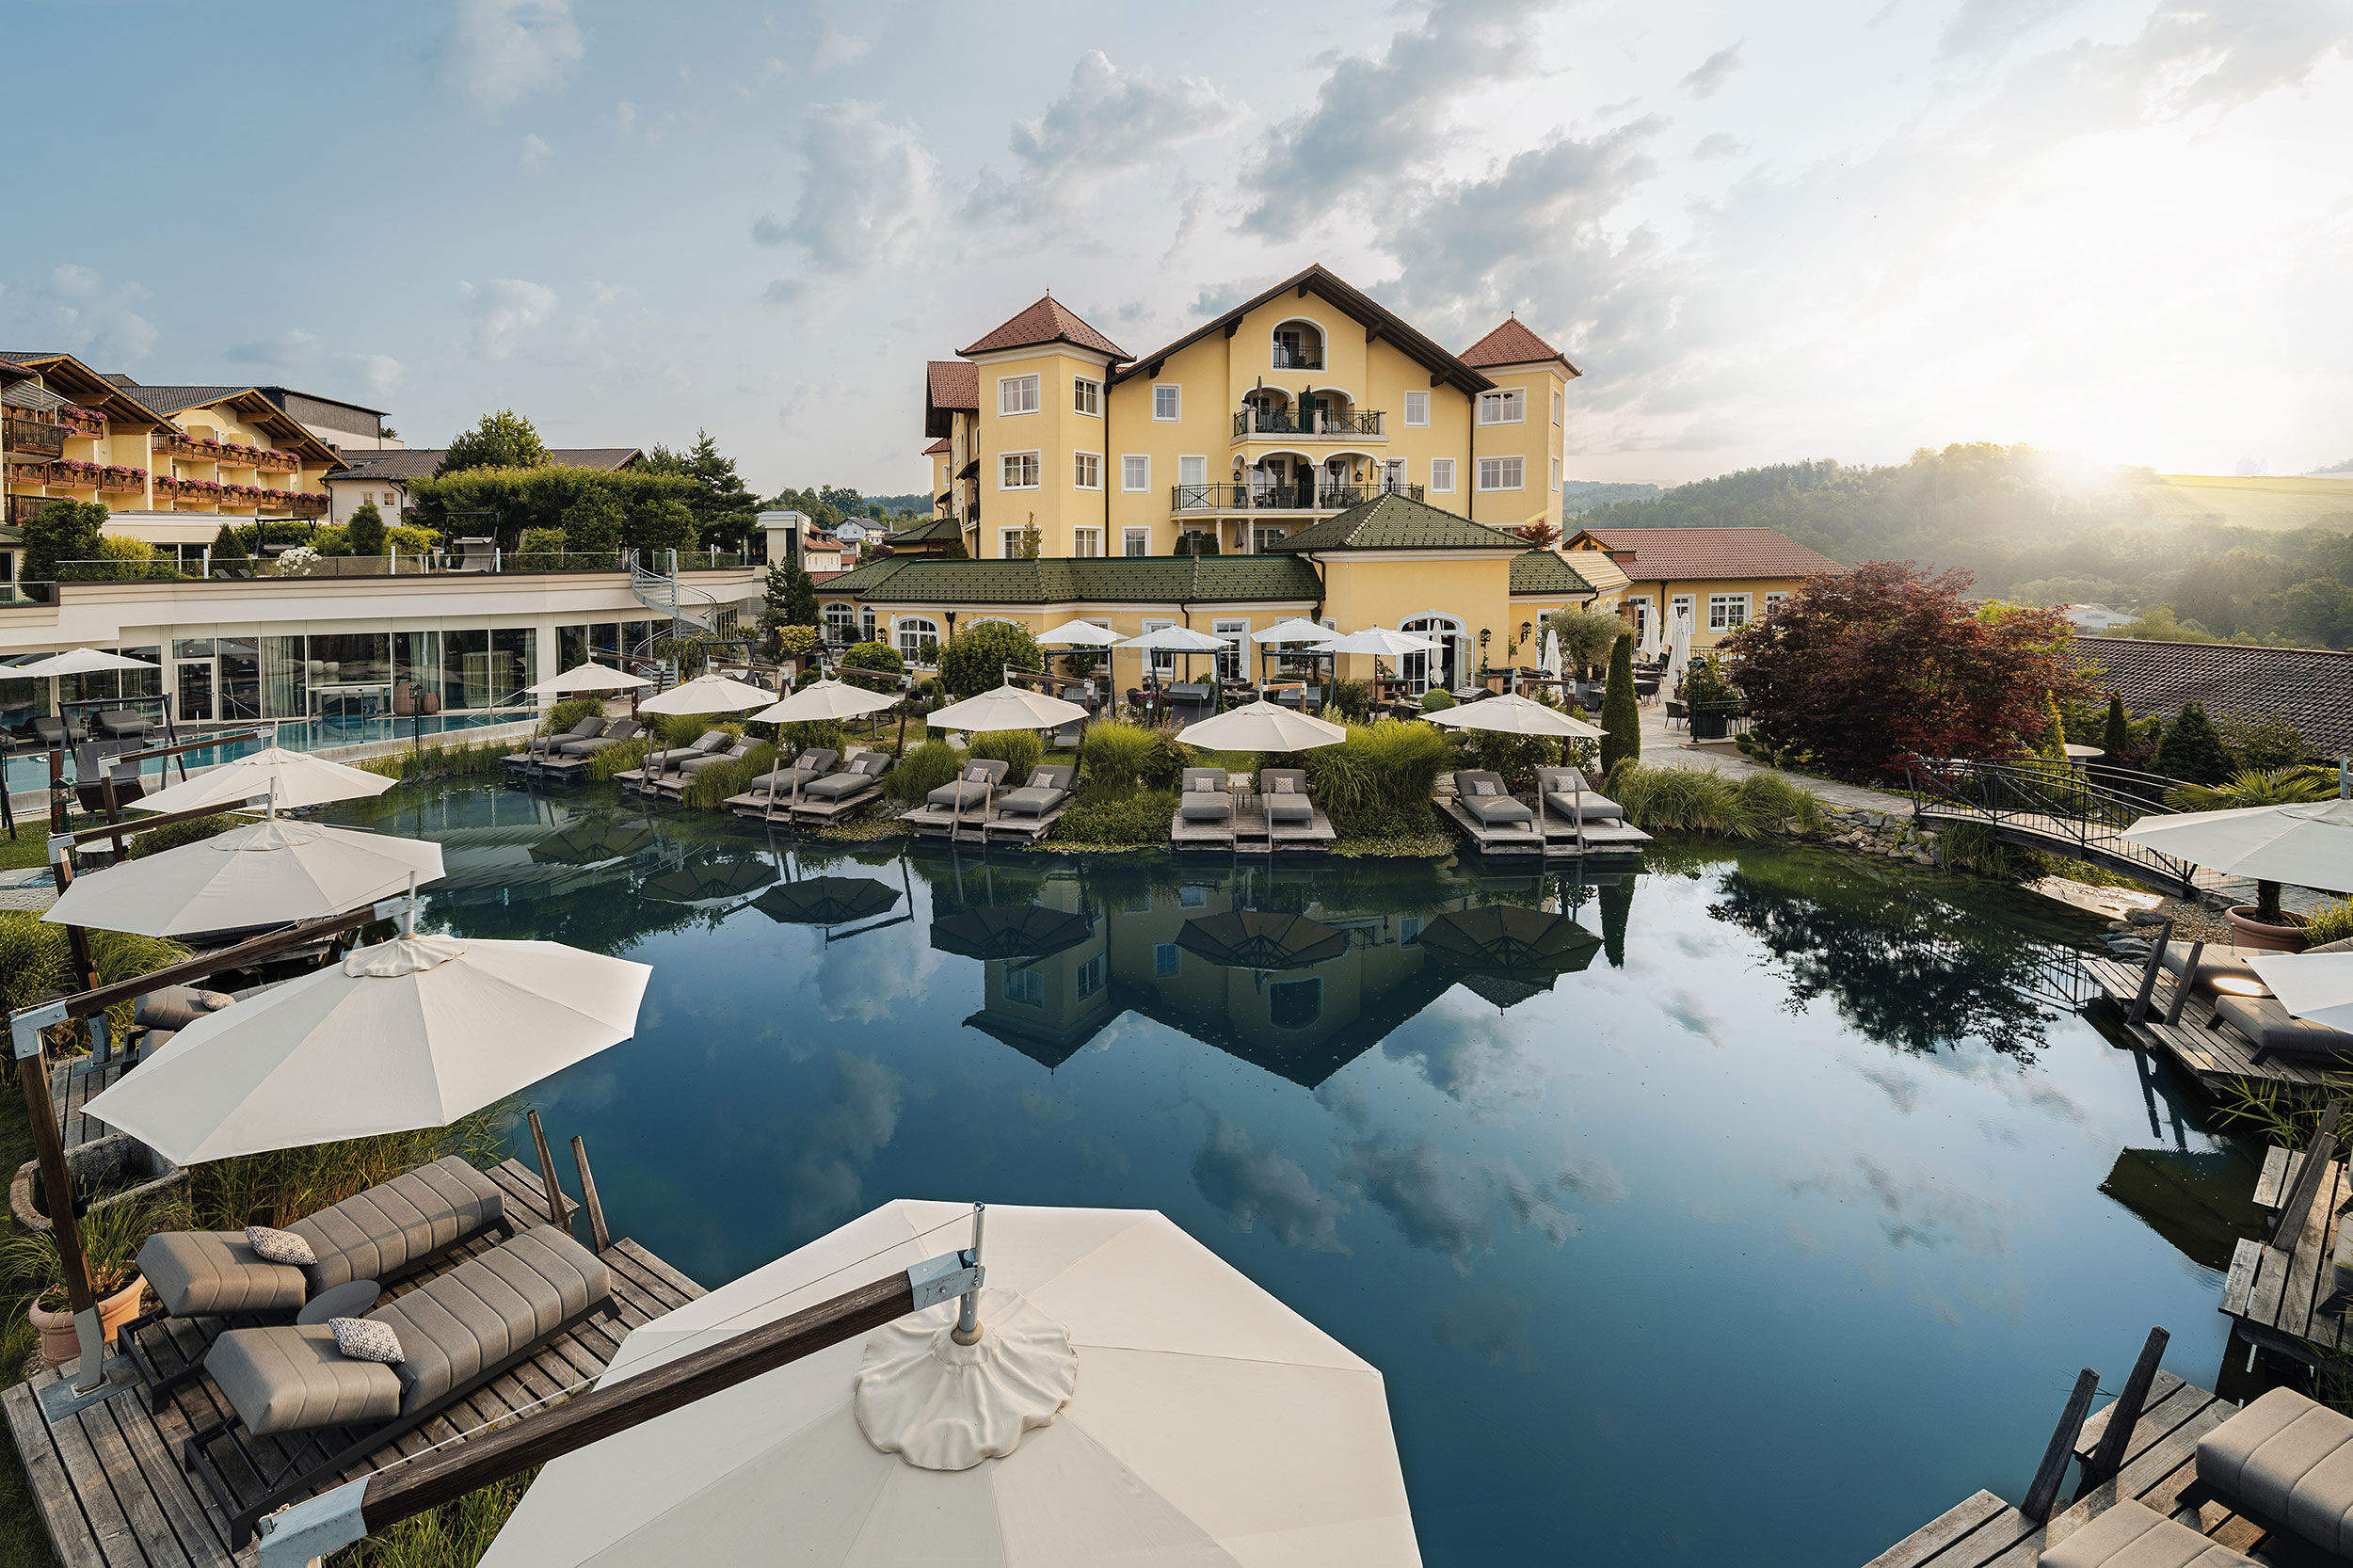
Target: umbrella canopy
(413,1032)
(1380,640)
(708,694)
(705,884)
(1263,726)
(820,700)
(591,843)
(1550,657)
(590,677)
(77,660)
(1031,931)
(1007,708)
(1177,639)
(2315,986)
(263,873)
(1079,633)
(286,779)
(1260,939)
(1509,941)
(1512,714)
(1133,1399)
(2309,844)
(1678,654)
(827,901)
(1292,630)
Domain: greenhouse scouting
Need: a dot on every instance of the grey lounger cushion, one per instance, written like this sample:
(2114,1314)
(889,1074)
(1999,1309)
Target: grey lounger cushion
(2278,1032)
(203,1273)
(175,1007)
(1285,805)
(972,789)
(1568,792)
(2212,967)
(2133,1535)
(708,743)
(452,1329)
(587,729)
(1204,797)
(1483,797)
(1048,786)
(735,753)
(864,770)
(625,730)
(2290,1462)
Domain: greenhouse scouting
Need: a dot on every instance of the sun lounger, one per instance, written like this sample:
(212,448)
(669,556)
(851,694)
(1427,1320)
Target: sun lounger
(1484,797)
(123,724)
(1205,796)
(586,730)
(735,753)
(456,1332)
(660,763)
(864,773)
(799,774)
(624,729)
(979,779)
(2288,1464)
(1187,701)
(1282,791)
(1048,788)
(1566,792)
(57,733)
(2277,1031)
(2133,1535)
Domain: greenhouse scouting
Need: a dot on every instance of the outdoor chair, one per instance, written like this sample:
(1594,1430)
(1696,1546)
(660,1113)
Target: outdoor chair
(456,1332)
(57,733)
(586,730)
(1048,788)
(123,724)
(1677,713)
(1204,797)
(2133,1535)
(2276,1032)
(2288,1464)
(708,744)
(1187,701)
(864,773)
(625,729)
(92,764)
(979,781)
(1284,793)
(1484,797)
(1567,791)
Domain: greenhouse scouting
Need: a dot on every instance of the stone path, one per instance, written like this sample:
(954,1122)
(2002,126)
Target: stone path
(1674,748)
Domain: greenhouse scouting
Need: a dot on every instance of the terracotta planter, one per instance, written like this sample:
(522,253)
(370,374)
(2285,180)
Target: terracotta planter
(58,1344)
(2248,931)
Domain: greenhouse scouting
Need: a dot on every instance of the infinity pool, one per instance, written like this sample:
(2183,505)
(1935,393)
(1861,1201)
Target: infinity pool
(1763,1215)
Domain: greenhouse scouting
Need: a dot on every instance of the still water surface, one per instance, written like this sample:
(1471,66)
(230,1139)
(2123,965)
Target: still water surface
(1762,1214)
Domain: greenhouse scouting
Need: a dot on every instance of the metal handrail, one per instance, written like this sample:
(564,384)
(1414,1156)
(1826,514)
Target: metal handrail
(2069,806)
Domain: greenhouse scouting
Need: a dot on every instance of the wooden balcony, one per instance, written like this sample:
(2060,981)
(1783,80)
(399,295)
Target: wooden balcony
(34,437)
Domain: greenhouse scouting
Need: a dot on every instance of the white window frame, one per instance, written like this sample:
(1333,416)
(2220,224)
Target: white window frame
(1009,543)
(1080,461)
(1086,397)
(1557,401)
(1193,463)
(1135,472)
(1236,633)
(1719,607)
(902,627)
(1032,458)
(1129,537)
(1262,534)
(1418,408)
(1014,391)
(846,622)
(1555,474)
(1159,661)
(1519,477)
(1087,543)
(1176,398)
(1681,604)
(1441,476)
(1505,405)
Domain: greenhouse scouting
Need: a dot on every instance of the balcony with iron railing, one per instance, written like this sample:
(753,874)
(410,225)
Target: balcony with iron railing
(1298,357)
(1326,496)
(1325,424)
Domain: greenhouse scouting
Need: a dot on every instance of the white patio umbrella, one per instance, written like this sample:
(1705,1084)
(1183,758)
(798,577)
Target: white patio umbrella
(1291,630)
(264,874)
(413,1032)
(820,700)
(1381,641)
(709,693)
(1550,655)
(591,677)
(1654,634)
(1132,1399)
(1678,654)
(1263,726)
(1006,707)
(2315,986)
(76,660)
(286,779)
(1177,639)
(2309,844)
(1513,715)
(1079,633)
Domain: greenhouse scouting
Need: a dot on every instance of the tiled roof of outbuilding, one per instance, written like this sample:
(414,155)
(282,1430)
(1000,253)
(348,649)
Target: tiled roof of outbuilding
(1542,572)
(1093,580)
(2310,685)
(1399,522)
(1680,554)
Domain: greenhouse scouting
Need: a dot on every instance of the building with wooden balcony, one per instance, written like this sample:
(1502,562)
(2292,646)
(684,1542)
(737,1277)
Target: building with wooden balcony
(1048,438)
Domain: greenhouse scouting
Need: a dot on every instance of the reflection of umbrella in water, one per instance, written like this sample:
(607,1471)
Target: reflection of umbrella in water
(2200,1202)
(1505,991)
(1031,931)
(1503,941)
(1261,939)
(827,901)
(588,843)
(701,886)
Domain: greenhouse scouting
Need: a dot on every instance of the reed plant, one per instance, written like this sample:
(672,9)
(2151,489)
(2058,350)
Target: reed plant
(604,764)
(37,956)
(1694,800)
(112,1235)
(1113,754)
(172,835)
(1020,750)
(711,788)
(440,759)
(2332,922)
(454,1535)
(921,771)
(283,1185)
(1378,782)
(571,712)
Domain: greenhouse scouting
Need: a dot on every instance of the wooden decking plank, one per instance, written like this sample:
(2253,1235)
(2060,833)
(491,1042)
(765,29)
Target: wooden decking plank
(117,1542)
(200,1536)
(1961,1523)
(2303,1289)
(2272,1185)
(45,1477)
(2164,1389)
(2238,1285)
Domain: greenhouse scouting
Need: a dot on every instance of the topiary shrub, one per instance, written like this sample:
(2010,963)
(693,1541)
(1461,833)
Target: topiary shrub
(1437,699)
(875,666)
(1020,750)
(974,659)
(364,532)
(921,771)
(2191,750)
(1621,720)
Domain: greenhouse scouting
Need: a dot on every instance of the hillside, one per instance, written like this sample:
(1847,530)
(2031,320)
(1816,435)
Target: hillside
(2270,559)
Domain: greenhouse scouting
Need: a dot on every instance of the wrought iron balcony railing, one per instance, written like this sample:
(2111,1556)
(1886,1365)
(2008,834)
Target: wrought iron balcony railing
(1324,497)
(1364,424)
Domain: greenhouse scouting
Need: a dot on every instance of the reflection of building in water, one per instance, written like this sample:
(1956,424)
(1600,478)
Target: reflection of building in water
(1304,1023)
(2201,1201)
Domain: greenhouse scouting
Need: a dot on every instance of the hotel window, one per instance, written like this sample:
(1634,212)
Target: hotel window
(1135,473)
(1164,959)
(839,620)
(1089,977)
(1230,666)
(1442,475)
(367,498)
(1555,474)
(1086,469)
(1192,477)
(1503,407)
(1086,542)
(1556,406)
(1009,543)
(912,632)
(1024,984)
(1416,407)
(1409,931)
(1167,403)
(1264,539)
(1772,599)
(1502,473)
(1679,605)
(1088,396)
(1017,394)
(1017,470)
(1136,542)
(1162,661)
(1726,611)
(1192,896)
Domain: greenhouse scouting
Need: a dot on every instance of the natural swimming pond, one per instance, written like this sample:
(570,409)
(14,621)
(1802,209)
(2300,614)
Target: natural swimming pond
(1751,1206)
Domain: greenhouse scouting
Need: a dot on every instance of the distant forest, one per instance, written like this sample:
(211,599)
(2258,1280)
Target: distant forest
(2044,529)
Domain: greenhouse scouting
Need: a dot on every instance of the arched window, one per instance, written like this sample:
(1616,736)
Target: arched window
(911,633)
(1294,1003)
(840,621)
(866,623)
(1448,667)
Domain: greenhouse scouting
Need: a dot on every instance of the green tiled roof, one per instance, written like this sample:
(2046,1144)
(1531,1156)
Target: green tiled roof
(1400,522)
(937,528)
(1112,580)
(1542,572)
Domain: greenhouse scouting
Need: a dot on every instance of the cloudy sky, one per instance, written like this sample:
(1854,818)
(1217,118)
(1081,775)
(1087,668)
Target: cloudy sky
(2105,227)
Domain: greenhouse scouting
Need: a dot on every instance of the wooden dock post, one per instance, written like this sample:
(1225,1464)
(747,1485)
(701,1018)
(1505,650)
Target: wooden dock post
(2164,924)
(2184,985)
(2317,1154)
(559,1210)
(2052,1470)
(597,1232)
(2124,1415)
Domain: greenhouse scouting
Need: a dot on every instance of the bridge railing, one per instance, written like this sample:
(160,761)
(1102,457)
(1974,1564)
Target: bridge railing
(2075,808)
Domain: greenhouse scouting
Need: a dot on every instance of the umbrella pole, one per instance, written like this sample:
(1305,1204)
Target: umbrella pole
(96,1374)
(967,1330)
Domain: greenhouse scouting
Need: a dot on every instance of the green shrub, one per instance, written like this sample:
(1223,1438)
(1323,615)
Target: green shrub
(1691,800)
(2192,751)
(1378,782)
(875,666)
(364,532)
(1515,756)
(1116,818)
(1166,763)
(571,712)
(711,787)
(974,659)
(1351,701)
(923,769)
(35,956)
(172,835)
(1621,720)
(1113,754)
(408,541)
(1020,750)
(807,677)
(814,735)
(541,548)
(1437,699)
(629,755)
(1777,800)
(2330,924)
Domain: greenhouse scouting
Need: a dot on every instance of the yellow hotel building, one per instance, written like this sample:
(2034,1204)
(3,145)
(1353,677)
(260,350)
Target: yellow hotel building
(1305,453)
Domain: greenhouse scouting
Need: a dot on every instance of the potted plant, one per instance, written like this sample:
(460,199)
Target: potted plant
(1710,698)
(112,1235)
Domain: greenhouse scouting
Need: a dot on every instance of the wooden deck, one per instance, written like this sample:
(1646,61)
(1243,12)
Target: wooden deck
(1523,841)
(1983,1531)
(74,1083)
(2218,1057)
(108,1483)
(2282,1298)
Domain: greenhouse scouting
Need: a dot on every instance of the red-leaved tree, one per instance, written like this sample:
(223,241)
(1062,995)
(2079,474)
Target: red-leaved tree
(1868,664)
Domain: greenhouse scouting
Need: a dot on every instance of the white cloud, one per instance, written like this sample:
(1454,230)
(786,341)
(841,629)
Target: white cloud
(78,309)
(1718,145)
(535,155)
(381,372)
(832,49)
(501,51)
(504,311)
(1712,72)
(292,348)
(866,193)
(1109,122)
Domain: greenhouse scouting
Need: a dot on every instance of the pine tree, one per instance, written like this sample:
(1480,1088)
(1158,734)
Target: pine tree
(2192,751)
(228,554)
(366,530)
(2117,737)
(1621,720)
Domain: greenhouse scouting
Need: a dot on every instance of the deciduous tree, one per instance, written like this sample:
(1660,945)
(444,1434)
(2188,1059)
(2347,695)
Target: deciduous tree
(504,440)
(61,531)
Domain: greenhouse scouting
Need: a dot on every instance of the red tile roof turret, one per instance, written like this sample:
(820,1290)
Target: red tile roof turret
(1512,343)
(1048,321)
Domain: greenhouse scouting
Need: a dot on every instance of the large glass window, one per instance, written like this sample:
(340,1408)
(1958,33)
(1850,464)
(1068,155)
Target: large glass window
(571,647)
(351,659)
(1294,1003)
(913,633)
(240,679)
(284,692)
(486,669)
(840,621)
(193,701)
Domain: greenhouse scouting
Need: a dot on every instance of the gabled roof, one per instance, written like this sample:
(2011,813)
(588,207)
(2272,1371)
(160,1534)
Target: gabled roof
(1542,572)
(950,387)
(939,448)
(250,401)
(1399,522)
(1048,321)
(418,462)
(927,530)
(87,388)
(1091,580)
(1680,554)
(1512,344)
(2308,684)
(1377,321)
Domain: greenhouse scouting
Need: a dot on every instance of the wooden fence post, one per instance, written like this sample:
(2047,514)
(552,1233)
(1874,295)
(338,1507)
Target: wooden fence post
(2124,1415)
(2052,1470)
